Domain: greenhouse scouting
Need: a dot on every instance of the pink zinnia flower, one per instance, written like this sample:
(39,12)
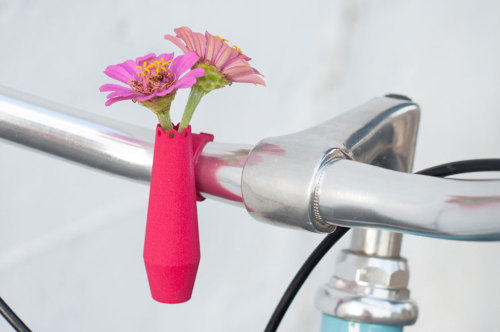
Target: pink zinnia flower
(214,51)
(151,76)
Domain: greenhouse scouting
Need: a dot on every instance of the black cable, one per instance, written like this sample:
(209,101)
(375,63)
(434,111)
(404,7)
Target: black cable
(463,166)
(453,168)
(12,318)
(302,275)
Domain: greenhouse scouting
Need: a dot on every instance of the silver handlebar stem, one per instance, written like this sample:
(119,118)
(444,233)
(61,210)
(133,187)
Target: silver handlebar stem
(282,176)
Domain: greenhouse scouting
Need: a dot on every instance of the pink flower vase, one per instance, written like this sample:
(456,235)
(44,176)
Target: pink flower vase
(172,247)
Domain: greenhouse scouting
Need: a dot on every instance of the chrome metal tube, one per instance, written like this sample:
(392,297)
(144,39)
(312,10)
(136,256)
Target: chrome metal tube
(358,195)
(331,193)
(110,146)
(375,242)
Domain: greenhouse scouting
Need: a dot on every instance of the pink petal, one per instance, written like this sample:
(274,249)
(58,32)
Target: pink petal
(186,35)
(141,59)
(130,67)
(113,87)
(130,93)
(214,45)
(200,44)
(224,55)
(118,73)
(250,79)
(256,71)
(238,61)
(177,42)
(238,71)
(235,62)
(217,54)
(114,100)
(166,56)
(183,63)
(166,92)
(244,57)
(189,79)
(146,97)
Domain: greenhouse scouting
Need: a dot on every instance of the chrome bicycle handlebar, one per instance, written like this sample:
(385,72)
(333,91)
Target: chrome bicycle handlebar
(315,179)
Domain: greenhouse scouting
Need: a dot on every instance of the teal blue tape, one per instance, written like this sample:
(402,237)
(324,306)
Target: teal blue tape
(334,324)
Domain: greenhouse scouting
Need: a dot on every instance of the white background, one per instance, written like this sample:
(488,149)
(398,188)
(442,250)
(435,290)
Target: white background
(71,238)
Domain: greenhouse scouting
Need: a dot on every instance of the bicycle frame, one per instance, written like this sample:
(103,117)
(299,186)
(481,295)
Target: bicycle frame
(327,183)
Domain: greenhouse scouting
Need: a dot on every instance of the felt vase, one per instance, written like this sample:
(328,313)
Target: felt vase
(172,248)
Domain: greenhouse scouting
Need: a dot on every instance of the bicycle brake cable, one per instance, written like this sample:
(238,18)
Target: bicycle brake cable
(12,318)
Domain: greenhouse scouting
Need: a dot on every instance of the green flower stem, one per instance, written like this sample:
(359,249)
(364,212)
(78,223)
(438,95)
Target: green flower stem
(164,119)
(161,107)
(194,99)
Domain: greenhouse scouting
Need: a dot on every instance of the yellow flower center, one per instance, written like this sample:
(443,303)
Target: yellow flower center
(154,76)
(158,65)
